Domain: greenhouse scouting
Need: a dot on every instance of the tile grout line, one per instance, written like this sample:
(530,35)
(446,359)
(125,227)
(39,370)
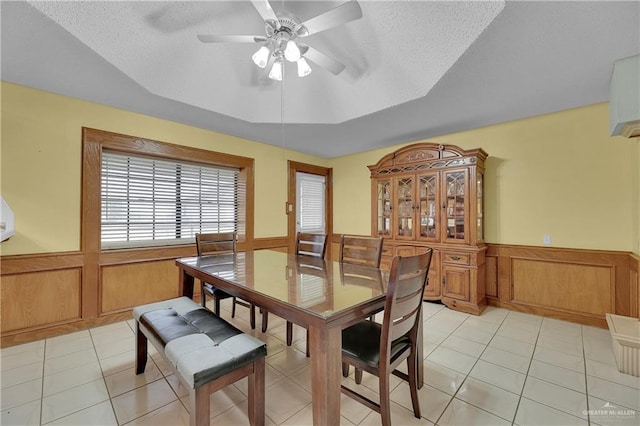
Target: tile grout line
(555,384)
(526,377)
(586,382)
(44,360)
(103,376)
(477,360)
(467,374)
(42,396)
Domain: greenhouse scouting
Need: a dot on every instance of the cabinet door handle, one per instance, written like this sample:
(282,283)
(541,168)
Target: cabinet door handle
(456,257)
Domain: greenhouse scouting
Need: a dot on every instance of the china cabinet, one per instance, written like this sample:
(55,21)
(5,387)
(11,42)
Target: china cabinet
(430,195)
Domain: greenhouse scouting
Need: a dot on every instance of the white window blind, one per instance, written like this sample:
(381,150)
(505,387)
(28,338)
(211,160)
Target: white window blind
(148,201)
(310,202)
(311,290)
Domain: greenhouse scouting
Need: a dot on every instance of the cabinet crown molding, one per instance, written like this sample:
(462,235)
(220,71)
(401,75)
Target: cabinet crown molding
(426,155)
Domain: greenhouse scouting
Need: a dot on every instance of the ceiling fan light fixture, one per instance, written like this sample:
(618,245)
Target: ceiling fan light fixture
(261,57)
(303,68)
(292,51)
(276,70)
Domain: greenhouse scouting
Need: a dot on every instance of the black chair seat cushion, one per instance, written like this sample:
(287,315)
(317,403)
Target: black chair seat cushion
(361,341)
(215,292)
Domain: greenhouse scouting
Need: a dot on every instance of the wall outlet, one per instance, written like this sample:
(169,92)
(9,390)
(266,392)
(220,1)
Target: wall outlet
(546,240)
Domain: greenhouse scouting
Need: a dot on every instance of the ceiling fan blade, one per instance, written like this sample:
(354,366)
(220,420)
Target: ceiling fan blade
(227,38)
(342,14)
(322,60)
(266,11)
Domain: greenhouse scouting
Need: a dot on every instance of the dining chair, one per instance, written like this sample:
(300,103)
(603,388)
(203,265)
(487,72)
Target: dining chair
(219,243)
(380,348)
(307,244)
(361,250)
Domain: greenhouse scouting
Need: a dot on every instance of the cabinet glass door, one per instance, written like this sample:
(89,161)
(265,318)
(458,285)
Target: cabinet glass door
(454,206)
(404,207)
(428,189)
(384,207)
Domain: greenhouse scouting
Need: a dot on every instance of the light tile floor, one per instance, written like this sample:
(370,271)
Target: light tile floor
(502,367)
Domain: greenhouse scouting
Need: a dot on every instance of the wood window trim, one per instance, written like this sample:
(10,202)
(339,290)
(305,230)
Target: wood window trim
(93,143)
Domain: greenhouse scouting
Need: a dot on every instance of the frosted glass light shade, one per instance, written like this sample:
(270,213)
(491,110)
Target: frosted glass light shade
(261,57)
(276,71)
(292,52)
(303,68)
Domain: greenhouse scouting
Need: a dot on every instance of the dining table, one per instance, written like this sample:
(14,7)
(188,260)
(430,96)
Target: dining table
(320,295)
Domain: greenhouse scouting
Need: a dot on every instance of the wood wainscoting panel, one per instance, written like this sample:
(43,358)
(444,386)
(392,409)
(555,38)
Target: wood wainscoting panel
(126,286)
(634,285)
(34,299)
(335,250)
(568,287)
(491,278)
(635,294)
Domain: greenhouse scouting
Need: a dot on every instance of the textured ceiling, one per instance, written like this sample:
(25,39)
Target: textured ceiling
(396,53)
(414,69)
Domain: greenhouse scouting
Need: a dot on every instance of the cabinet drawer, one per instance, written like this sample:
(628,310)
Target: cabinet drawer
(455,258)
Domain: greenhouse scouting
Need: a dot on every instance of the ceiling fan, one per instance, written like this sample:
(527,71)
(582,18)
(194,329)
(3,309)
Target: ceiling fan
(283,29)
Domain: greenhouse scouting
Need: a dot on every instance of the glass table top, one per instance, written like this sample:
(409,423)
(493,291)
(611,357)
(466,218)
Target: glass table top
(319,286)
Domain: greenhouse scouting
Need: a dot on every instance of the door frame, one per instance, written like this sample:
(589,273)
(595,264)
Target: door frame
(291,206)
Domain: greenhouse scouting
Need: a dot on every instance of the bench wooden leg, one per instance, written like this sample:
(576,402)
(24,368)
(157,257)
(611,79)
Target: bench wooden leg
(257,394)
(199,406)
(141,350)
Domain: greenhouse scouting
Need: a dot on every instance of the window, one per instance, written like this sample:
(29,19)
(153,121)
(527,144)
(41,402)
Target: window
(149,201)
(311,203)
(140,193)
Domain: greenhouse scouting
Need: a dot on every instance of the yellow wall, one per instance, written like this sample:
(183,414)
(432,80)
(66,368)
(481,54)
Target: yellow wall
(41,165)
(558,174)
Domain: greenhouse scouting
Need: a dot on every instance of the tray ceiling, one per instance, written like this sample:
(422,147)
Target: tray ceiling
(414,69)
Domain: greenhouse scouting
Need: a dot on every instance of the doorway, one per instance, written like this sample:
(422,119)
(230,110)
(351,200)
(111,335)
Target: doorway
(309,205)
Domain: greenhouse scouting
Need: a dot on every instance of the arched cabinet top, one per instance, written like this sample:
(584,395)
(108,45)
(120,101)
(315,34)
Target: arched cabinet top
(427,155)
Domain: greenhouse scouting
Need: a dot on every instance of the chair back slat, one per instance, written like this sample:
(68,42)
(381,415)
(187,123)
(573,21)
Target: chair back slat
(311,244)
(361,250)
(224,242)
(311,265)
(406,312)
(407,280)
(362,276)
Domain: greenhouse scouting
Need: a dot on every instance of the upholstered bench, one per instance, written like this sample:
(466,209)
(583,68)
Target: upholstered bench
(206,352)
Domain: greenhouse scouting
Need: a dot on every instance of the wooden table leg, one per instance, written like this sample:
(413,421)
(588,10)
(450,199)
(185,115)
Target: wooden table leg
(326,356)
(186,284)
